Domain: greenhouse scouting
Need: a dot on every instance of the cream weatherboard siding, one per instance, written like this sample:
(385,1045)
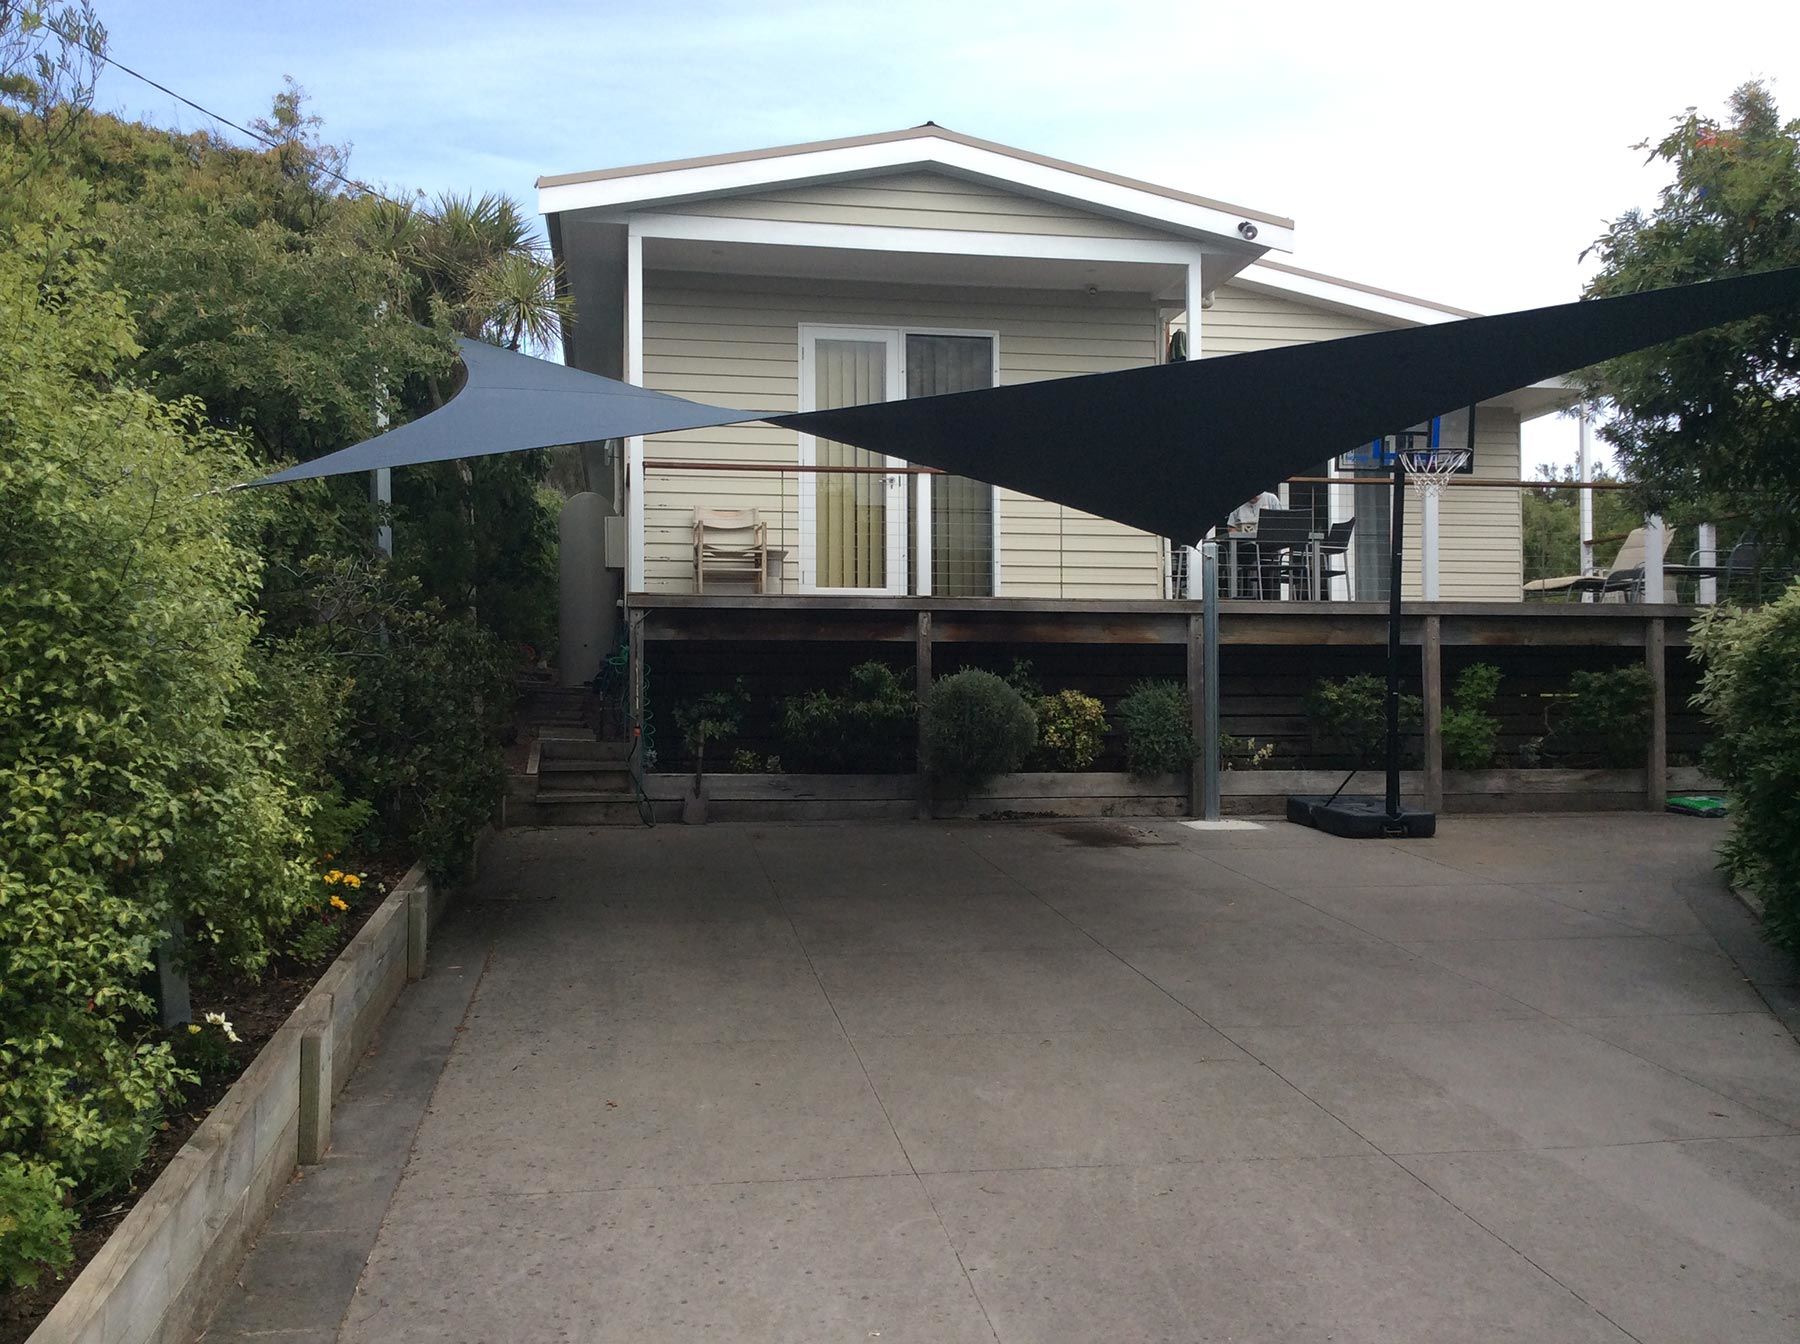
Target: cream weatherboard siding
(919,200)
(735,340)
(1480,537)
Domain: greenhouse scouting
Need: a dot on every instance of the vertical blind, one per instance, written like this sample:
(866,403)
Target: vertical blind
(962,510)
(851,521)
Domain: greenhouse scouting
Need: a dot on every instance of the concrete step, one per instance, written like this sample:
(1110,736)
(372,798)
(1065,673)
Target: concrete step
(585,781)
(577,809)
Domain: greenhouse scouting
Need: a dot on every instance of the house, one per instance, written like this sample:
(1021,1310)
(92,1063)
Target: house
(923,261)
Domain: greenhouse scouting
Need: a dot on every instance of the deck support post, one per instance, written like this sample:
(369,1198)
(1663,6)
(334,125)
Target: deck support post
(1656,764)
(634,680)
(1196,678)
(922,688)
(1431,654)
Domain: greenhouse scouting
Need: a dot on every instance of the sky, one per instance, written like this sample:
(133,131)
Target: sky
(1462,153)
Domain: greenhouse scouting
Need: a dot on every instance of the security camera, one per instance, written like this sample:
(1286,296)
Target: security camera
(1248,230)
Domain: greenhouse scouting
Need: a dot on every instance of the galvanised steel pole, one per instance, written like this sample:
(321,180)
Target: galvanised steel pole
(1209,695)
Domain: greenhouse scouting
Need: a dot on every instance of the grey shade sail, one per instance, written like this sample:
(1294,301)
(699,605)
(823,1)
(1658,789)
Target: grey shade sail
(1170,448)
(1173,448)
(509,403)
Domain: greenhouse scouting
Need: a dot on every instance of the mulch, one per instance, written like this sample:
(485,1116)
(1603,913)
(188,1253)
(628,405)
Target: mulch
(256,1009)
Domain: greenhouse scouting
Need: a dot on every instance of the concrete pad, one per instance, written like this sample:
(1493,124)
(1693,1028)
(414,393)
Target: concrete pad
(1749,1057)
(1172,917)
(605,1114)
(1459,910)
(1600,977)
(924,922)
(1346,863)
(1012,990)
(969,1103)
(1676,1242)
(1289,983)
(717,998)
(1649,907)
(1224,825)
(637,927)
(1441,1086)
(797,1260)
(1341,1249)
(302,1279)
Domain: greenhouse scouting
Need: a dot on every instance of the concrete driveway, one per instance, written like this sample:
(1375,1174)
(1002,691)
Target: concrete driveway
(1081,1081)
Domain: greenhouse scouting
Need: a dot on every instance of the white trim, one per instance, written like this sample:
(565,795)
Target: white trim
(921,152)
(1342,296)
(894,520)
(888,238)
(636,486)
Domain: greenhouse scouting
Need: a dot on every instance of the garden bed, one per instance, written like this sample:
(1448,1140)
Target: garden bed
(784,797)
(149,1266)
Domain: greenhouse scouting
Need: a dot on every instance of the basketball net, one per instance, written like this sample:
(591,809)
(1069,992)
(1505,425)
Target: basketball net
(1428,470)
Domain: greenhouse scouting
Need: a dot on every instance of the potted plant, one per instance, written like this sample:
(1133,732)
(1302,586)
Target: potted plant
(706,718)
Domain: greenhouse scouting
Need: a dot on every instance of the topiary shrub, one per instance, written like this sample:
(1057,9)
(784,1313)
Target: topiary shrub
(1071,730)
(865,729)
(976,726)
(1159,730)
(708,718)
(1750,692)
(1350,713)
(1603,720)
(1471,734)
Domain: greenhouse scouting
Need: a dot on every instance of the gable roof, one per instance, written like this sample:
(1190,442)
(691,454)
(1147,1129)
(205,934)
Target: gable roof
(1244,231)
(926,130)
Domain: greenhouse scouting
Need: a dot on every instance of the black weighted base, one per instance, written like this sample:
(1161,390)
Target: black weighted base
(1357,818)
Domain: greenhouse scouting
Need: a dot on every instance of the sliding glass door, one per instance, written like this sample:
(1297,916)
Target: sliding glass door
(959,512)
(852,514)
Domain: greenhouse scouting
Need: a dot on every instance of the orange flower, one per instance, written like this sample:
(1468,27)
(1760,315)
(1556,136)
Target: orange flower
(338,903)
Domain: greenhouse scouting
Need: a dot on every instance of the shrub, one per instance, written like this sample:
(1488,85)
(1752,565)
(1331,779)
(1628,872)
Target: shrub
(1604,719)
(1159,731)
(35,1220)
(1750,691)
(1351,714)
(1242,753)
(866,729)
(707,718)
(1071,730)
(976,726)
(1471,734)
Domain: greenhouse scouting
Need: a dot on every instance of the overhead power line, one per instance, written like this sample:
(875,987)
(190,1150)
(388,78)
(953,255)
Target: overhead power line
(258,136)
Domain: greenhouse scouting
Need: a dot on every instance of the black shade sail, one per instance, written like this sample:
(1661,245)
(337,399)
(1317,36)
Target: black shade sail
(1173,448)
(1170,449)
(509,403)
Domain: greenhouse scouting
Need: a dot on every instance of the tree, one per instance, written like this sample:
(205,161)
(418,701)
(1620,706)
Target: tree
(1552,521)
(1712,421)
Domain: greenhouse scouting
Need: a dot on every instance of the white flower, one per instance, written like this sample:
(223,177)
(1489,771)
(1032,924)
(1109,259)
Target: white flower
(220,1021)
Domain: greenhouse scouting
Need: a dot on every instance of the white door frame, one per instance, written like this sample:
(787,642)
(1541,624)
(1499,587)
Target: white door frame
(895,485)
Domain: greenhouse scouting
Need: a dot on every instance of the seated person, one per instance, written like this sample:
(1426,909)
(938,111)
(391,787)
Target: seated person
(1242,522)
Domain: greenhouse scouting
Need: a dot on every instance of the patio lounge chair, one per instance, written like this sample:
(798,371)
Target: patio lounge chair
(1623,579)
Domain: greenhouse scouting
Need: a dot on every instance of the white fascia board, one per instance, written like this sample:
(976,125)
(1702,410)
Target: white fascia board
(1344,298)
(723,179)
(877,238)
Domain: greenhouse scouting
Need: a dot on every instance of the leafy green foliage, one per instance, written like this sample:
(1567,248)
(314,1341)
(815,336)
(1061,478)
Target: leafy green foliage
(1071,730)
(1710,421)
(866,729)
(134,791)
(1350,714)
(1243,753)
(1751,694)
(976,726)
(1471,733)
(708,718)
(1159,731)
(1604,719)
(35,1220)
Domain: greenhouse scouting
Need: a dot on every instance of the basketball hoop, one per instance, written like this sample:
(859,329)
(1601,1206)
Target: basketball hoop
(1428,470)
